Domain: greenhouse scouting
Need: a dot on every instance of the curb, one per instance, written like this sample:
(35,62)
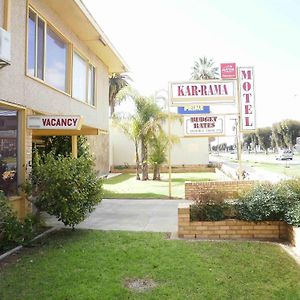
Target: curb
(20,247)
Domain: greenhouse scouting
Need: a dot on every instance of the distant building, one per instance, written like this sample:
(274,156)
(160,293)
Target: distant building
(55,63)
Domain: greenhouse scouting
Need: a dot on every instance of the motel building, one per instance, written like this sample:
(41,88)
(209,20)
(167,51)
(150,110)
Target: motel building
(55,63)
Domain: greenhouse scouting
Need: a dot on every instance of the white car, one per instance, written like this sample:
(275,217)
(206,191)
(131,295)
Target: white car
(285,154)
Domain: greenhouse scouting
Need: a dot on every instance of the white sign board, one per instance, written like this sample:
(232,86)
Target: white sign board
(204,125)
(54,122)
(202,92)
(247,100)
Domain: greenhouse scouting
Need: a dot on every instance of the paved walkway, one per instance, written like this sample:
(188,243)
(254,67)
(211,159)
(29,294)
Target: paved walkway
(131,215)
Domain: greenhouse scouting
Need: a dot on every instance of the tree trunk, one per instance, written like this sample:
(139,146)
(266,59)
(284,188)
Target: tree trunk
(144,154)
(156,172)
(137,161)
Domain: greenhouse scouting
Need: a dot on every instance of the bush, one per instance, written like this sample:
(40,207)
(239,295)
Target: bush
(266,202)
(66,187)
(210,206)
(293,215)
(209,211)
(12,231)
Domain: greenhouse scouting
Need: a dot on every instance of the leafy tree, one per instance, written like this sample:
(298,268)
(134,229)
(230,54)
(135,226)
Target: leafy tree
(289,129)
(264,136)
(65,187)
(204,69)
(62,145)
(116,83)
(277,136)
(250,140)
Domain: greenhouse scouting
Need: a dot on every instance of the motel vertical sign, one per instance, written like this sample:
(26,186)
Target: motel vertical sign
(247,100)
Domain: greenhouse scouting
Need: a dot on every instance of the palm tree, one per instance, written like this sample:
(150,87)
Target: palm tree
(204,69)
(143,125)
(131,128)
(116,83)
(158,151)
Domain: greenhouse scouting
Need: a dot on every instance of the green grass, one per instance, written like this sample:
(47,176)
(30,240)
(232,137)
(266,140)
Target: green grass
(94,265)
(285,168)
(126,186)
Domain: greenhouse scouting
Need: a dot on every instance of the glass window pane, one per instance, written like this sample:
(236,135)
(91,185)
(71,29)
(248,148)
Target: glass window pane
(40,49)
(56,61)
(8,151)
(31,43)
(79,77)
(91,87)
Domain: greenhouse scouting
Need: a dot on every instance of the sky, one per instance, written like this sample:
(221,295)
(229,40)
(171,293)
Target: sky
(161,39)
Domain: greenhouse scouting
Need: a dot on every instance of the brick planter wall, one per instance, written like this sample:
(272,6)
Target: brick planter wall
(196,190)
(228,229)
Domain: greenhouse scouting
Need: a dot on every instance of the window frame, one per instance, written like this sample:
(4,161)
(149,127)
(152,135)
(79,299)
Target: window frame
(62,37)
(69,60)
(88,64)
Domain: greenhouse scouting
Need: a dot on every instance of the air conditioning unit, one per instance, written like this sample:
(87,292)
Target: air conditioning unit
(5,56)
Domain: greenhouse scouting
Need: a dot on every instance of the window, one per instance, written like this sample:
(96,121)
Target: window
(91,86)
(8,151)
(56,61)
(79,77)
(47,53)
(83,87)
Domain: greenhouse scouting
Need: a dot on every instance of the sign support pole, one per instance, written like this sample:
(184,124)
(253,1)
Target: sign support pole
(74,146)
(238,132)
(169,150)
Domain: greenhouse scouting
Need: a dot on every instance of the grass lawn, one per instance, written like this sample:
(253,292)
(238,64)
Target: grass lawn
(126,186)
(283,168)
(73,265)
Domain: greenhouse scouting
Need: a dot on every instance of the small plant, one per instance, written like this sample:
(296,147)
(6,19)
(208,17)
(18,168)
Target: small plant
(12,231)
(66,187)
(211,206)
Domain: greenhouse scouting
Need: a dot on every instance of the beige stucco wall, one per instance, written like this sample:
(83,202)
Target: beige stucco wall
(100,150)
(1,12)
(190,151)
(16,87)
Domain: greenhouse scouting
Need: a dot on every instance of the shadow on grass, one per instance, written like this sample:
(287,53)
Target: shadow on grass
(190,179)
(113,195)
(118,179)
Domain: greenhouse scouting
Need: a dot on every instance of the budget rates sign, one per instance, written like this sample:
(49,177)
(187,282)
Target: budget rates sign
(204,125)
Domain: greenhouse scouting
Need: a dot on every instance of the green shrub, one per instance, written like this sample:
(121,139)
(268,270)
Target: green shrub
(265,202)
(66,187)
(209,211)
(293,215)
(12,231)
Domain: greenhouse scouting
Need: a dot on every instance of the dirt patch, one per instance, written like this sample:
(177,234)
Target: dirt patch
(140,285)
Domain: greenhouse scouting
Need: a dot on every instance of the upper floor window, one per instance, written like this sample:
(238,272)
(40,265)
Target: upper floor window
(47,53)
(83,84)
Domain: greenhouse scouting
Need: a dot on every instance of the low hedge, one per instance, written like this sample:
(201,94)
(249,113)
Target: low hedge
(264,202)
(12,231)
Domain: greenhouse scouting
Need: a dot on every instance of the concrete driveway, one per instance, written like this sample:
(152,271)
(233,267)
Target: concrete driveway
(131,215)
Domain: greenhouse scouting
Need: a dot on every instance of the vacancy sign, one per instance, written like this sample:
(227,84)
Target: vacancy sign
(247,101)
(204,125)
(228,71)
(202,92)
(54,122)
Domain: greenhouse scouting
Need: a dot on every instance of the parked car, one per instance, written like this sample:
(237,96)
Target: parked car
(285,154)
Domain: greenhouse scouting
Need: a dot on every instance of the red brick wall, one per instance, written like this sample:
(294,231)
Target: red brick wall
(197,190)
(228,229)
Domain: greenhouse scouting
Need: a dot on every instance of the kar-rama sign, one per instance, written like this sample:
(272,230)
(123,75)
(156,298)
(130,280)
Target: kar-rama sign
(202,92)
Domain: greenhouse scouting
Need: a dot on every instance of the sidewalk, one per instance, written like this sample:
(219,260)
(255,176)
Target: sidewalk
(130,215)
